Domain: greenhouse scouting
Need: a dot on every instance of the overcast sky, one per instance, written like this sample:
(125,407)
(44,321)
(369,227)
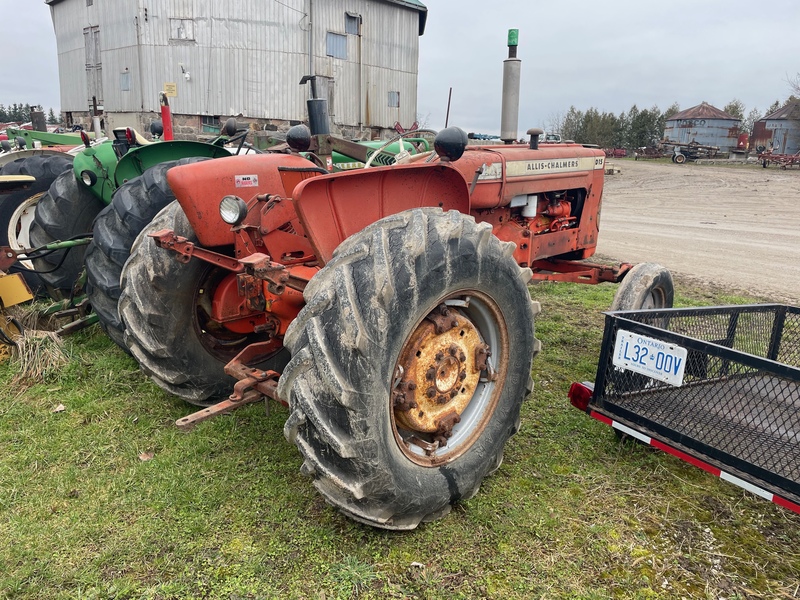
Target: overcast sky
(608,55)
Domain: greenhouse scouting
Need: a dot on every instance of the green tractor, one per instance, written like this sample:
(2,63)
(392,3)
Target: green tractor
(67,209)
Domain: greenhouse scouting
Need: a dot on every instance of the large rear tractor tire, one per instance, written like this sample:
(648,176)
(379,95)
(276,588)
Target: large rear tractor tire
(165,304)
(12,213)
(410,362)
(44,168)
(646,286)
(134,205)
(66,210)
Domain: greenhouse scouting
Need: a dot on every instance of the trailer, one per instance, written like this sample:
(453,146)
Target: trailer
(718,387)
(681,152)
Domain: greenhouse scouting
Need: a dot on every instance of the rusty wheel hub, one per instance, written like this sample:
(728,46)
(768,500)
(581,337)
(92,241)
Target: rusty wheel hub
(438,373)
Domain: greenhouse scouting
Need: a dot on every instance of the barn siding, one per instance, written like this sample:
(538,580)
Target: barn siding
(246,57)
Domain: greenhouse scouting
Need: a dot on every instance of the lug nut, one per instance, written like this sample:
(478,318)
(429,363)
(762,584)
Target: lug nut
(411,386)
(431,392)
(430,374)
(462,357)
(439,355)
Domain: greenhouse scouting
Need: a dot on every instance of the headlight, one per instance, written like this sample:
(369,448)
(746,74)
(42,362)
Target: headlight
(233,210)
(88,178)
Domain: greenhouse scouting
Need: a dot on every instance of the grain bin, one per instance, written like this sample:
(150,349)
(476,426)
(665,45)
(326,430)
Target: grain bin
(704,124)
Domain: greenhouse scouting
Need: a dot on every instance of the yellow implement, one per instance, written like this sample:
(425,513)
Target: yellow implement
(13,290)
(13,182)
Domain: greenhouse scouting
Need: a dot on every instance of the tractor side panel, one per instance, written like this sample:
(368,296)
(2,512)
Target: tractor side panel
(334,207)
(199,187)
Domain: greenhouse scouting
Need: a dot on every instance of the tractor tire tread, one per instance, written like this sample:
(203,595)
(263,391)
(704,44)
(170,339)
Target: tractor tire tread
(339,347)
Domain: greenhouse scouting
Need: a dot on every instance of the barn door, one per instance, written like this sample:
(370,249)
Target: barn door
(94,67)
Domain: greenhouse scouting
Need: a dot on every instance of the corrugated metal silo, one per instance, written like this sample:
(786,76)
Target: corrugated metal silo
(704,124)
(779,130)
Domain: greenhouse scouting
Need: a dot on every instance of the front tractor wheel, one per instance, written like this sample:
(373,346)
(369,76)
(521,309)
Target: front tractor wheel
(646,286)
(409,365)
(166,307)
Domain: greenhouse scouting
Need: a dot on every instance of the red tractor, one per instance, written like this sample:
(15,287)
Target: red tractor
(388,307)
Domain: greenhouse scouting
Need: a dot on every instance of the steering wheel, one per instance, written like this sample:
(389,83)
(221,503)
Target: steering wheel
(391,141)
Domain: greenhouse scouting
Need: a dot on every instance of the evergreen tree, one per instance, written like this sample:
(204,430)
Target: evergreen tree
(51,117)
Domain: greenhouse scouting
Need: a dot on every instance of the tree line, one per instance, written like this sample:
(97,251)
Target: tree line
(21,113)
(637,127)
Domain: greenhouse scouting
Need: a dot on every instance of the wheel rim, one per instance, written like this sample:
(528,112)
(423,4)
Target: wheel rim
(448,378)
(19,226)
(656,298)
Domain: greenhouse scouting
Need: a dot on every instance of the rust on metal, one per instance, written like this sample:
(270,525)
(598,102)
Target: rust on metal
(261,266)
(186,250)
(440,374)
(8,256)
(219,408)
(580,272)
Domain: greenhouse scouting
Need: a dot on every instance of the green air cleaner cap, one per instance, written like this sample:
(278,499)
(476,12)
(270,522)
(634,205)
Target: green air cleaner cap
(513,37)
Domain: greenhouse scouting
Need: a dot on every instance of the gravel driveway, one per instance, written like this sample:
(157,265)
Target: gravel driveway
(735,227)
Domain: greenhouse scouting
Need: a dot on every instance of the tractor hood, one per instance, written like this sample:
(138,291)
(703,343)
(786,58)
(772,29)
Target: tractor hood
(199,187)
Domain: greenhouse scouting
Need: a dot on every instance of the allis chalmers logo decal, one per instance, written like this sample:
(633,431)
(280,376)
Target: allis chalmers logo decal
(521,168)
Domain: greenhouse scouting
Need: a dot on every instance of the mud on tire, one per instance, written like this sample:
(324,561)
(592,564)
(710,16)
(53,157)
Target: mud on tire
(647,285)
(66,210)
(163,303)
(362,311)
(133,206)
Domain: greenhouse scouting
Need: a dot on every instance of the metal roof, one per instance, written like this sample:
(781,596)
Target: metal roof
(790,111)
(702,111)
(412,4)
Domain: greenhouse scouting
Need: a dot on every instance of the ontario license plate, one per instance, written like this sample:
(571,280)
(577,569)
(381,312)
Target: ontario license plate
(641,354)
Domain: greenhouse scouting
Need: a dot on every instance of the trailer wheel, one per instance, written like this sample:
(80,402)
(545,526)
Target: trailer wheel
(680,159)
(646,286)
(409,365)
(66,210)
(133,206)
(164,305)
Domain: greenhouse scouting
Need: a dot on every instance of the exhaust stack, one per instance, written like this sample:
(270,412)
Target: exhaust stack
(512,66)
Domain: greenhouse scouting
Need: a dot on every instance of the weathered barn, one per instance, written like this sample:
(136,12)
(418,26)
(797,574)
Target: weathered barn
(704,124)
(779,130)
(239,58)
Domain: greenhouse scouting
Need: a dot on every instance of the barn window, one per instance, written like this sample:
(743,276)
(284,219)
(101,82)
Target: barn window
(181,29)
(351,23)
(125,81)
(394,99)
(89,2)
(336,45)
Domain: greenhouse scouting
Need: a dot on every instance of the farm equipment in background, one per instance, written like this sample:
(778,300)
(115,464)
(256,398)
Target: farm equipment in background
(648,152)
(692,151)
(615,152)
(784,161)
(717,387)
(388,307)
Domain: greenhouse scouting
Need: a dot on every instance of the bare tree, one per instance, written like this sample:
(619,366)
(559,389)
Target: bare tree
(555,122)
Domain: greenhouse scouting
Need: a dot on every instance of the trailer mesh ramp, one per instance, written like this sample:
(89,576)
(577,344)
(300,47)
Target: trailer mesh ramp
(737,404)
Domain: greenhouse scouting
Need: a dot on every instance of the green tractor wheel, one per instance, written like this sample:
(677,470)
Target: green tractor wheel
(133,206)
(64,212)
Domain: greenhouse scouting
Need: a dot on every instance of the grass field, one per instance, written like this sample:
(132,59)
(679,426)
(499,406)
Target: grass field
(107,499)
